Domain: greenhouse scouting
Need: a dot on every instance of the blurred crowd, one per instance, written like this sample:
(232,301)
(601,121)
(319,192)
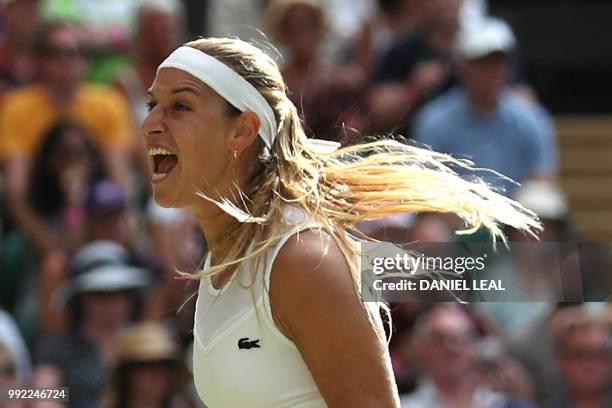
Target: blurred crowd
(88,285)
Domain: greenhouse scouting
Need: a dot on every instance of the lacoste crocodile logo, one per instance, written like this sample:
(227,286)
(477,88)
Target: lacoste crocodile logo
(245,343)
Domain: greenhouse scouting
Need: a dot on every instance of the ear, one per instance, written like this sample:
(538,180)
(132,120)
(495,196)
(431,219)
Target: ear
(245,132)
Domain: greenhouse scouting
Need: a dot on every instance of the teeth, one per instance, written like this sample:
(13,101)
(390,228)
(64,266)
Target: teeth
(155,151)
(158,176)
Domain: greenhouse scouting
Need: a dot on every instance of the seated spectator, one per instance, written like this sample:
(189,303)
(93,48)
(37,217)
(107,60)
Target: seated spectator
(534,348)
(64,169)
(100,300)
(455,372)
(548,201)
(8,379)
(583,352)
(52,221)
(15,364)
(105,27)
(532,271)
(379,33)
(327,95)
(426,48)
(18,64)
(176,244)
(418,67)
(110,219)
(484,122)
(159,32)
(585,273)
(149,372)
(28,113)
(172,245)
(107,214)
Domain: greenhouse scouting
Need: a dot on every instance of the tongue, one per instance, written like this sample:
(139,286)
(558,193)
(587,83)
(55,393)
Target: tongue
(164,164)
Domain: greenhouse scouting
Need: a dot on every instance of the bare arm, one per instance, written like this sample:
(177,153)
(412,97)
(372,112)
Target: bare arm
(316,306)
(47,376)
(117,163)
(30,224)
(53,272)
(44,241)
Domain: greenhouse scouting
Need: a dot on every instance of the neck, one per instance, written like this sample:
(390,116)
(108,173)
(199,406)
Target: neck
(214,226)
(214,222)
(62,94)
(144,400)
(454,389)
(483,105)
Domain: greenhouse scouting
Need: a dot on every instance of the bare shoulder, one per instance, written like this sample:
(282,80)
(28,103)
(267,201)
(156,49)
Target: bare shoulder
(310,277)
(312,263)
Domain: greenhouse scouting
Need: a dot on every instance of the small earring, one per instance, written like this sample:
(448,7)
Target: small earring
(235,154)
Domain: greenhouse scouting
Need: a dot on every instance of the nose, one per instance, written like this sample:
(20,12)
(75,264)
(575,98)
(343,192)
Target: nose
(153,123)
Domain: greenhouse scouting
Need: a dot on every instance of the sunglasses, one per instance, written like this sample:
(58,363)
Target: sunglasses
(589,353)
(448,338)
(71,152)
(60,52)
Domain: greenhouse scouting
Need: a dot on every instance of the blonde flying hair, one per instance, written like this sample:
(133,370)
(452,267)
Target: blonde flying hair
(340,189)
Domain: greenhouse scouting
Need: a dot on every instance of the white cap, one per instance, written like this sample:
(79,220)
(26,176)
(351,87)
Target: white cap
(545,198)
(484,37)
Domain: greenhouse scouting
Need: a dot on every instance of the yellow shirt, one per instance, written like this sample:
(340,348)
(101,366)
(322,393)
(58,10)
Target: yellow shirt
(27,114)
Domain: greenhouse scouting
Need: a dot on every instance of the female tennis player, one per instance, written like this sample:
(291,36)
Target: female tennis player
(279,318)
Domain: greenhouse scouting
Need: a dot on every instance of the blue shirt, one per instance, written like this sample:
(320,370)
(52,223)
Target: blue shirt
(427,395)
(516,140)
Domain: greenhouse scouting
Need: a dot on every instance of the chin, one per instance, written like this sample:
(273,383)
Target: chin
(165,200)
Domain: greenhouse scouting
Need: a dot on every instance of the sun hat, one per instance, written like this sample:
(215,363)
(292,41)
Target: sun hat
(146,342)
(143,343)
(101,266)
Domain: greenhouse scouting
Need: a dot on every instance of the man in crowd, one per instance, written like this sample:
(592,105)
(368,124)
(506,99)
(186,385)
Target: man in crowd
(445,346)
(28,113)
(485,121)
(18,65)
(583,351)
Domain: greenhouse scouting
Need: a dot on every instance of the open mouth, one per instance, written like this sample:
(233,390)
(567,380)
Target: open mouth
(164,161)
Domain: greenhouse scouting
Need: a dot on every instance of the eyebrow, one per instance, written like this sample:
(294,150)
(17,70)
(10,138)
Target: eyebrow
(186,89)
(179,90)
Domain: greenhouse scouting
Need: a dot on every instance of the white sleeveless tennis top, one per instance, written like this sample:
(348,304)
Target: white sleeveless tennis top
(240,358)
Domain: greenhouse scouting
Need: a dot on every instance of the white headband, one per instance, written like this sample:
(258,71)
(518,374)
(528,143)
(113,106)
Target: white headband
(227,83)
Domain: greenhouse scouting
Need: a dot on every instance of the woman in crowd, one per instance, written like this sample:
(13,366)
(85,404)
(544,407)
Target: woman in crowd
(100,300)
(149,372)
(327,94)
(65,167)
